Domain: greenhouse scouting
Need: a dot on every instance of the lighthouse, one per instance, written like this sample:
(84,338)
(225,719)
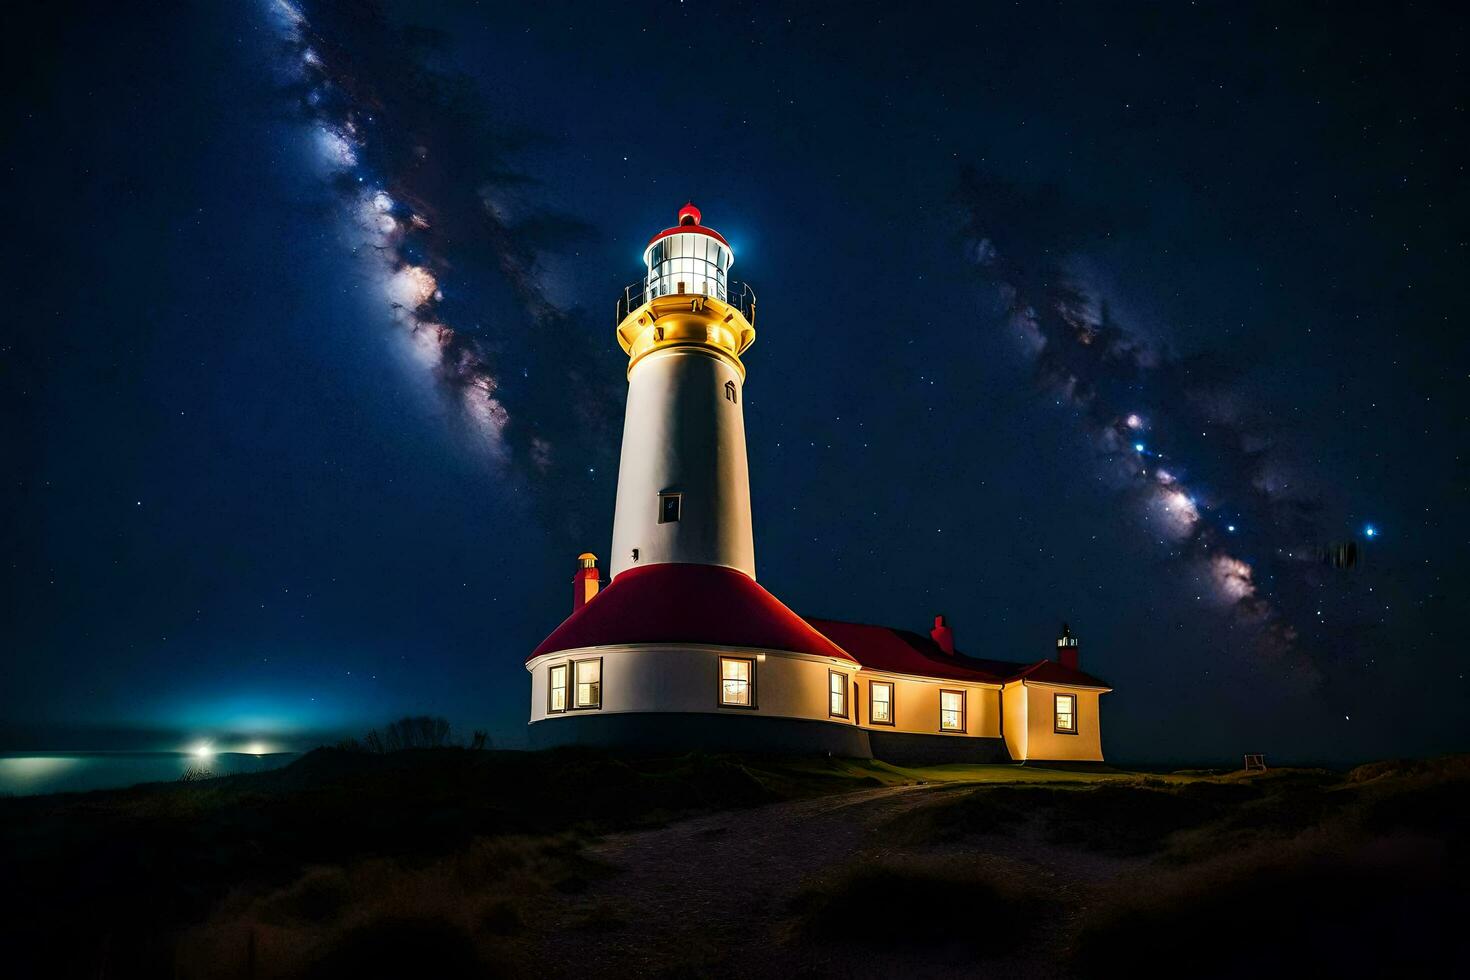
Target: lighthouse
(683,480)
(683,648)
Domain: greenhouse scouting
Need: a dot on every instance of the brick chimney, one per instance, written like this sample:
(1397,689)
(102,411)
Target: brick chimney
(1068,653)
(943,635)
(586,582)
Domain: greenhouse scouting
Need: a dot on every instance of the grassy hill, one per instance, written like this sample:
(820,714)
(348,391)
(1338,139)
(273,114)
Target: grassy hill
(452,861)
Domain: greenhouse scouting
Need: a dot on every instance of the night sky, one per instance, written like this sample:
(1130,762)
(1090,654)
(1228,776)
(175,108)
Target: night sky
(311,395)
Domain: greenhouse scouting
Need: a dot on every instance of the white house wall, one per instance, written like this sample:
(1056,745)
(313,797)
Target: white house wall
(678,678)
(686,678)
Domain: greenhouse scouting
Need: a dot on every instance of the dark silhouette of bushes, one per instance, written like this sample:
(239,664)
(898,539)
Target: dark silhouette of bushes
(413,732)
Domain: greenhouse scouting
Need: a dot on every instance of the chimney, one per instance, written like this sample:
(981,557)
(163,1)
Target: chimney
(943,635)
(1068,654)
(586,582)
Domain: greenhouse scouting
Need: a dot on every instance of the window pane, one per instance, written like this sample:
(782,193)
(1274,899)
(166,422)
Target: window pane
(589,683)
(1066,712)
(882,702)
(951,711)
(735,682)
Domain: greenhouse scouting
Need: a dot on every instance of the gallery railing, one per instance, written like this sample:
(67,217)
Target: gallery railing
(737,294)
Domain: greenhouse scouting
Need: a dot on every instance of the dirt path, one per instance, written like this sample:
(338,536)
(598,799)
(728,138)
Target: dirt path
(683,897)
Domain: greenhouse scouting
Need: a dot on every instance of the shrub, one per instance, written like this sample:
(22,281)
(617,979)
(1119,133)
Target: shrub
(989,905)
(414,732)
(1317,906)
(402,947)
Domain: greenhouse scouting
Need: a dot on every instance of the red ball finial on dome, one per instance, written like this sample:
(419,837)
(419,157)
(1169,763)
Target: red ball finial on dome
(689,214)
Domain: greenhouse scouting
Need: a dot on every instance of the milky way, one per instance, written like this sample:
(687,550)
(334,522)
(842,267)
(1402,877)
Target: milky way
(439,218)
(1196,470)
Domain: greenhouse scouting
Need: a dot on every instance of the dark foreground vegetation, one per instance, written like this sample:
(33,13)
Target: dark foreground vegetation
(456,862)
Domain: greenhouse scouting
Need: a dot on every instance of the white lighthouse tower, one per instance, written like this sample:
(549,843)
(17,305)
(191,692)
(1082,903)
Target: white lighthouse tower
(683,481)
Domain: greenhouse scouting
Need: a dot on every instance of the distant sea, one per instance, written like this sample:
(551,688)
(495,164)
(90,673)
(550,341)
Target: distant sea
(31,773)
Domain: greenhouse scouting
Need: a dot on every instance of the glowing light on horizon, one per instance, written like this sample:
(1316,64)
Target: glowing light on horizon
(203,750)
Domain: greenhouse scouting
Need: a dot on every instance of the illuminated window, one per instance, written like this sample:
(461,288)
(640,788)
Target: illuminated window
(952,711)
(880,703)
(1066,708)
(737,682)
(589,683)
(669,505)
(729,391)
(837,696)
(556,697)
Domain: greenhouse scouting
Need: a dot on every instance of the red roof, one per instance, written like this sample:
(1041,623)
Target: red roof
(899,651)
(902,652)
(687,603)
(690,230)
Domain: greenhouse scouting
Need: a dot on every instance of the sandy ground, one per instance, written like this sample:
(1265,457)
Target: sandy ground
(710,895)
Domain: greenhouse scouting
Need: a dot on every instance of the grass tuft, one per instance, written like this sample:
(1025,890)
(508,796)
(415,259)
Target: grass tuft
(986,904)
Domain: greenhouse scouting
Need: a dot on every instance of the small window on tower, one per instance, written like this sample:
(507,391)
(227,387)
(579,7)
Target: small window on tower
(729,391)
(669,505)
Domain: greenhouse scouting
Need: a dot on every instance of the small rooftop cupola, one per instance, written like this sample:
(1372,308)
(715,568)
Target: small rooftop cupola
(586,582)
(943,636)
(1068,654)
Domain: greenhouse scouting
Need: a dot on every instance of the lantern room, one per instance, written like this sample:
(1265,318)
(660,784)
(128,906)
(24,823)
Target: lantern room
(687,258)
